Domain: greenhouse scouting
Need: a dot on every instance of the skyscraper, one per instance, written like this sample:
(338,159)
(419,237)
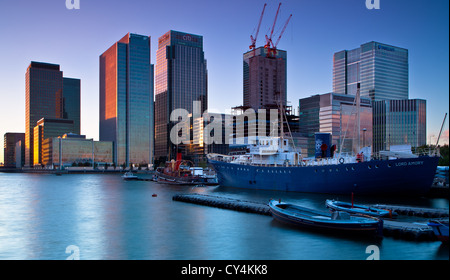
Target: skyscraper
(336,114)
(264,78)
(126,99)
(71,102)
(180,79)
(9,154)
(44,98)
(399,122)
(43,81)
(382,71)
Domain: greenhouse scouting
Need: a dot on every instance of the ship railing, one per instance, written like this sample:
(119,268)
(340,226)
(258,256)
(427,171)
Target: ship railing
(429,151)
(416,152)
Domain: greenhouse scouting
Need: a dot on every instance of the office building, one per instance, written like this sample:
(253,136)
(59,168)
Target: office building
(399,122)
(264,78)
(71,102)
(48,128)
(126,99)
(336,114)
(180,80)
(10,158)
(43,82)
(45,98)
(382,71)
(72,150)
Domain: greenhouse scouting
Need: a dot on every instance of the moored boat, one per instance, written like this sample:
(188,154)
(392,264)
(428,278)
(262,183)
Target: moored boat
(274,163)
(359,209)
(332,222)
(182,172)
(440,229)
(129,176)
(412,176)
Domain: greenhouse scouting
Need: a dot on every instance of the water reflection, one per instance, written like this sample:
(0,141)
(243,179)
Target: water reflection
(108,218)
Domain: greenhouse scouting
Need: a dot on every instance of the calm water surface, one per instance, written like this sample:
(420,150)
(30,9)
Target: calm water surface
(108,218)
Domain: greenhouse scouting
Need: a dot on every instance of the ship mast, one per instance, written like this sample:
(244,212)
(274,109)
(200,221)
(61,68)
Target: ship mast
(358,118)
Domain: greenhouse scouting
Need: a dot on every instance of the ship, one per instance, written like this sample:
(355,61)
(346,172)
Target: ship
(272,164)
(272,167)
(182,172)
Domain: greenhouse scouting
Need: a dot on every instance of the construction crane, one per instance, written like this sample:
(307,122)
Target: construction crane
(282,31)
(270,46)
(269,38)
(253,40)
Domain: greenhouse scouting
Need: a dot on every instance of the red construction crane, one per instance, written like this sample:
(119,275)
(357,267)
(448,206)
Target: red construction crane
(281,34)
(269,39)
(270,46)
(253,40)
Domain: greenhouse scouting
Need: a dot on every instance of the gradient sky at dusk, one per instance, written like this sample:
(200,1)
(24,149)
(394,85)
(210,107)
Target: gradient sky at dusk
(48,32)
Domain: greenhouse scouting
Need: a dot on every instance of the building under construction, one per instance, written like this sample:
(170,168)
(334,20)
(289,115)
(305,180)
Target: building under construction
(265,70)
(264,78)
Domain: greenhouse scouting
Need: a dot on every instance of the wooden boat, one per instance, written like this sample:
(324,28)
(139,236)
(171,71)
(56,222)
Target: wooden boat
(440,229)
(335,221)
(359,209)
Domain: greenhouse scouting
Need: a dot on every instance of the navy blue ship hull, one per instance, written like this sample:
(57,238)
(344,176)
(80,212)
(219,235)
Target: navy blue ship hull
(413,176)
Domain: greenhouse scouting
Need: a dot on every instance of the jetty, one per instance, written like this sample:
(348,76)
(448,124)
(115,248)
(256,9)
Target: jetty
(406,230)
(415,211)
(225,203)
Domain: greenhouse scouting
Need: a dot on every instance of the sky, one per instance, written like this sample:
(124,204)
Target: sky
(47,31)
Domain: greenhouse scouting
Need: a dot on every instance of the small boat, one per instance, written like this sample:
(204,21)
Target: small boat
(440,229)
(129,176)
(183,172)
(359,209)
(335,221)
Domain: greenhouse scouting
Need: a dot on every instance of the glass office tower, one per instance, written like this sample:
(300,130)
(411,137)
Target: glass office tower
(336,114)
(382,71)
(399,122)
(126,100)
(11,139)
(71,102)
(180,79)
(48,95)
(43,81)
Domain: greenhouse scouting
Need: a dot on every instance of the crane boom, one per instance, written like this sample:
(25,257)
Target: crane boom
(253,45)
(281,34)
(269,38)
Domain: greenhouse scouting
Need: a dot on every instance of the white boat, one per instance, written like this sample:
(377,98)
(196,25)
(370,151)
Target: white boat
(128,176)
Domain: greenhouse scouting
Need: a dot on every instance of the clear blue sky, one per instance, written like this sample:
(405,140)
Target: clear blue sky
(46,31)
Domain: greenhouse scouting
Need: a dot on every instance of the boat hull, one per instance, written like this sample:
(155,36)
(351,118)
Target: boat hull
(440,229)
(412,176)
(368,226)
(190,180)
(359,209)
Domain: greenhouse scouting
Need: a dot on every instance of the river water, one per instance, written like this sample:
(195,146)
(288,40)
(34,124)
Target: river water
(100,216)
